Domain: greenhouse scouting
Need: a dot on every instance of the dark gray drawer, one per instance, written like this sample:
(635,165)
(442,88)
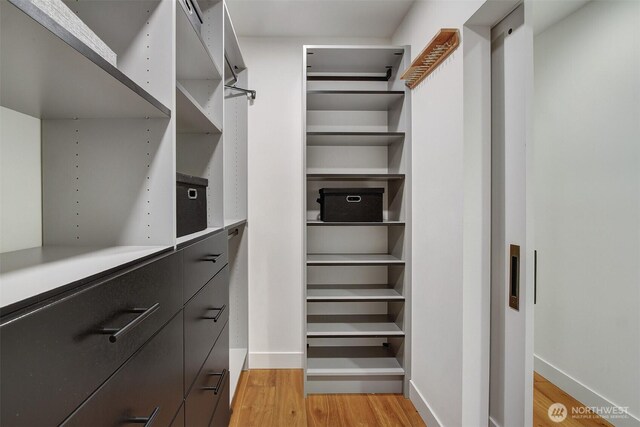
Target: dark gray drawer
(148,385)
(178,421)
(53,358)
(202,261)
(203,396)
(204,317)
(222,415)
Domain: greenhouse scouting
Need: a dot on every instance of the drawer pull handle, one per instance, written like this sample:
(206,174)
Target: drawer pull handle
(115,333)
(217,316)
(354,199)
(212,257)
(148,421)
(217,387)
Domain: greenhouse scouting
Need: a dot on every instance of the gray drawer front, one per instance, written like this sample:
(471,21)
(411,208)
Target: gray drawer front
(200,403)
(178,421)
(52,359)
(204,317)
(222,416)
(202,261)
(151,380)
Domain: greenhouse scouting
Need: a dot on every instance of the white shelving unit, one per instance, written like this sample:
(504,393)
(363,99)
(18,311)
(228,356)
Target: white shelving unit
(107,149)
(113,138)
(357,285)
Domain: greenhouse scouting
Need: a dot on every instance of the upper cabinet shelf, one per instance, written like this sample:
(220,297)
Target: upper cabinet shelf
(352,100)
(190,117)
(352,60)
(193,58)
(49,73)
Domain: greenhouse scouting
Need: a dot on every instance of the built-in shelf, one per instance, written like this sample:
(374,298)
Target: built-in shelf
(352,100)
(350,60)
(198,235)
(31,275)
(49,73)
(190,117)
(352,361)
(311,223)
(355,176)
(320,293)
(353,138)
(194,61)
(372,325)
(353,259)
(234,223)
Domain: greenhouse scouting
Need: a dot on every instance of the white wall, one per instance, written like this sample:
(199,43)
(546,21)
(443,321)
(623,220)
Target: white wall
(20,181)
(587,192)
(438,379)
(276,197)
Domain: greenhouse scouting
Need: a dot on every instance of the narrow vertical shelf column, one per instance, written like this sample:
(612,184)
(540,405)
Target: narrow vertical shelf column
(357,284)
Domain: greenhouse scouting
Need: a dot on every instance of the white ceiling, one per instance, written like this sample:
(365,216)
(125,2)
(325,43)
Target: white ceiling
(321,18)
(548,12)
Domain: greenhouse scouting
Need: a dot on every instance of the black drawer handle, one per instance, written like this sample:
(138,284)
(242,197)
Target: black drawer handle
(216,389)
(148,421)
(217,316)
(212,257)
(116,333)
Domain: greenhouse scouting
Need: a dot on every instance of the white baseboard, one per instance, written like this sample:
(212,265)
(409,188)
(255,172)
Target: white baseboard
(580,391)
(276,360)
(425,411)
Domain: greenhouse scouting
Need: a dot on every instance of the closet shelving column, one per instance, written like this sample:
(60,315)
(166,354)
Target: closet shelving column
(105,136)
(235,200)
(357,281)
(199,93)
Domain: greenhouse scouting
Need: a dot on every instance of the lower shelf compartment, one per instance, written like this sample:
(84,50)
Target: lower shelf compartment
(354,384)
(377,325)
(352,361)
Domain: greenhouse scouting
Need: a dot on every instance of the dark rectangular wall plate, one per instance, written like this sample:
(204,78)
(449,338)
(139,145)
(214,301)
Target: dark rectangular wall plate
(514,277)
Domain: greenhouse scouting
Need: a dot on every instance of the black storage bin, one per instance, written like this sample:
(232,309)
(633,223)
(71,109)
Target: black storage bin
(351,204)
(191,204)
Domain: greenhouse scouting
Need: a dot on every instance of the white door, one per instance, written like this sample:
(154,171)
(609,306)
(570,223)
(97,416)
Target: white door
(511,376)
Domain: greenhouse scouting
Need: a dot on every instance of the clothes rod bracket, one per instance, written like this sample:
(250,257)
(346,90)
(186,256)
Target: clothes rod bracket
(250,93)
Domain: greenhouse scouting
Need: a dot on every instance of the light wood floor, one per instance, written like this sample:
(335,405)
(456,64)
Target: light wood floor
(274,398)
(545,394)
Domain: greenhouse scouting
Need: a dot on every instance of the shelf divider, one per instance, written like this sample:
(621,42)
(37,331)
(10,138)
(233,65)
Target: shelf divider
(49,73)
(190,117)
(352,259)
(352,361)
(352,100)
(338,326)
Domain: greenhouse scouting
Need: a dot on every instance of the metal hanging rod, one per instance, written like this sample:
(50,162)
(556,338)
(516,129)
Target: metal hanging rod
(251,93)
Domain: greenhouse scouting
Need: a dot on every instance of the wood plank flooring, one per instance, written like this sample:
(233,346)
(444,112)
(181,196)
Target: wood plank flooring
(274,398)
(546,393)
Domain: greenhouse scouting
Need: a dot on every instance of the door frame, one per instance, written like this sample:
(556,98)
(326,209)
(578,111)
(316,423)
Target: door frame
(477,215)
